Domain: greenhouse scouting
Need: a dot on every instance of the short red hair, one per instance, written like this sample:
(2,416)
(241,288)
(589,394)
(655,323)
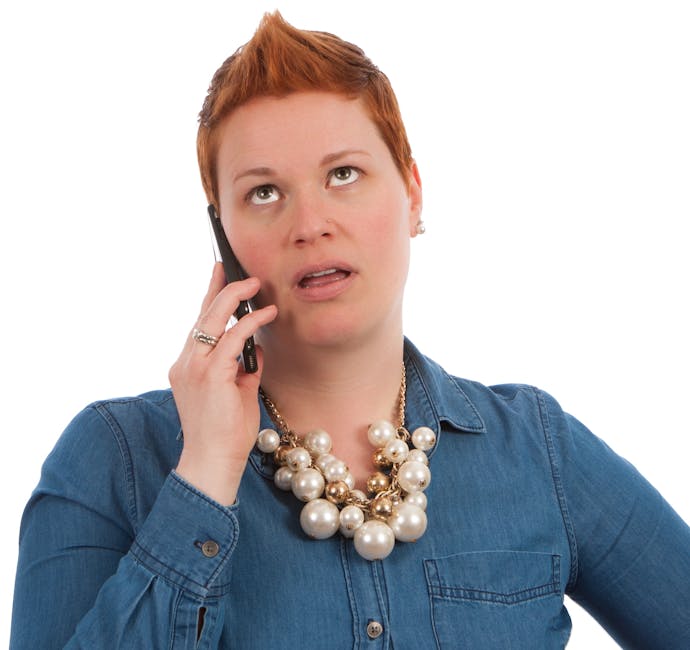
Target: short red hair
(279,60)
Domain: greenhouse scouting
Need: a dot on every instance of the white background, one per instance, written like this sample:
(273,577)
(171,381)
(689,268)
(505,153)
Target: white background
(553,142)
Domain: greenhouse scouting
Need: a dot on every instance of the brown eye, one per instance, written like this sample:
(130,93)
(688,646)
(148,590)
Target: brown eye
(263,194)
(343,176)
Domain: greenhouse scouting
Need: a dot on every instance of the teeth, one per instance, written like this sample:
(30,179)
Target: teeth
(318,274)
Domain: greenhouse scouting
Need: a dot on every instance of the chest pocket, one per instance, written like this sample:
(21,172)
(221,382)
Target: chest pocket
(497,599)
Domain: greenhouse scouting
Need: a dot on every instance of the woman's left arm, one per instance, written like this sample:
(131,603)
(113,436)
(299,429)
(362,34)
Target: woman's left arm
(631,550)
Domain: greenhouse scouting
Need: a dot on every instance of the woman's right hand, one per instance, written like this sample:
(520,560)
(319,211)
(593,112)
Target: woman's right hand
(215,398)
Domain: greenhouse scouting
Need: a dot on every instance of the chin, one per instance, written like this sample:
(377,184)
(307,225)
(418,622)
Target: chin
(346,329)
(330,332)
(332,326)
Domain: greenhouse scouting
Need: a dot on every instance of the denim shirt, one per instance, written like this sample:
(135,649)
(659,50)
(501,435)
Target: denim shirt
(525,505)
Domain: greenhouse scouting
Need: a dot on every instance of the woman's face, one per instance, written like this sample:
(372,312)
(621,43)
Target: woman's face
(314,206)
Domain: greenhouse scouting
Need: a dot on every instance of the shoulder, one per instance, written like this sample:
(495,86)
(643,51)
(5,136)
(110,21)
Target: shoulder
(155,411)
(471,405)
(106,435)
(114,451)
(131,420)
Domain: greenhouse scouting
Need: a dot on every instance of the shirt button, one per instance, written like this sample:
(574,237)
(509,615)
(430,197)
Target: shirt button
(210,548)
(374,629)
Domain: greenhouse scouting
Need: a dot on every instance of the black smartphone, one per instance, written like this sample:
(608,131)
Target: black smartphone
(234,272)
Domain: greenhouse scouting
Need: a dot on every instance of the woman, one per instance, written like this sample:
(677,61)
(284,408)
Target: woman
(162,522)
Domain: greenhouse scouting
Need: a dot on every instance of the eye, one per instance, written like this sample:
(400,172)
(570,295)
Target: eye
(343,176)
(263,195)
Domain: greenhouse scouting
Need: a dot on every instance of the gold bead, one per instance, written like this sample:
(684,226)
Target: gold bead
(378,482)
(380,460)
(337,492)
(381,507)
(279,455)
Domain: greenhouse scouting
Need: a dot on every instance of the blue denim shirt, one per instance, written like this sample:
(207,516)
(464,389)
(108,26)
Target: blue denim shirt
(525,505)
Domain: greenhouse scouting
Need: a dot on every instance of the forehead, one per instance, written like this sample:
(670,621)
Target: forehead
(295,128)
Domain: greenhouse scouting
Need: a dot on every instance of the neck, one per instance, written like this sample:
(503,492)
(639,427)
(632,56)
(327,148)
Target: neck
(338,388)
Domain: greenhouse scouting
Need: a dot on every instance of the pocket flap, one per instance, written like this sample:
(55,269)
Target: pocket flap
(497,576)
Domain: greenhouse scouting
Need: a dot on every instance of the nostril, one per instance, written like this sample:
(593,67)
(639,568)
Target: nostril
(307,224)
(303,239)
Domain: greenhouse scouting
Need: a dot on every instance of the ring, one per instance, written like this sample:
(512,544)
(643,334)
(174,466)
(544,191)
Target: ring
(203,337)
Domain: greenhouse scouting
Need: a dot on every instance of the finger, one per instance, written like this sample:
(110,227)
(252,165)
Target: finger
(229,347)
(215,286)
(215,319)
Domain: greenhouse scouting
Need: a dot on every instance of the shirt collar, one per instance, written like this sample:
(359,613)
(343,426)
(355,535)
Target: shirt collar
(433,396)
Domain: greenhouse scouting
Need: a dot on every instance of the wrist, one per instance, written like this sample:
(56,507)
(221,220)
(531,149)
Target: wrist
(216,478)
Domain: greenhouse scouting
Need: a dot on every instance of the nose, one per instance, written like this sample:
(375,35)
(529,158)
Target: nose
(309,220)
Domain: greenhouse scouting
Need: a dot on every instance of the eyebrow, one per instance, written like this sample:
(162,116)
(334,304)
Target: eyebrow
(332,157)
(326,160)
(255,171)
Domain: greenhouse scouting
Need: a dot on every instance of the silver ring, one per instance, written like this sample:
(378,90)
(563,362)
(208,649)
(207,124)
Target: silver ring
(203,337)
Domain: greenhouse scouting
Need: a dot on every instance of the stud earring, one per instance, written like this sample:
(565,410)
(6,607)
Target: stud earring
(420,227)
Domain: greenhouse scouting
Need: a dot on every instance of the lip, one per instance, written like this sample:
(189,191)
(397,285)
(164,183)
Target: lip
(323,291)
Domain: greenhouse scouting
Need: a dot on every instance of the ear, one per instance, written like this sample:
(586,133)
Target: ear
(414,193)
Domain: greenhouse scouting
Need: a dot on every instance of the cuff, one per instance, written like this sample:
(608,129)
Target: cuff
(188,539)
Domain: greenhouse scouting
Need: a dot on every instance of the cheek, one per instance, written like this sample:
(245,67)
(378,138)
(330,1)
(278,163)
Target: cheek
(389,225)
(388,239)
(249,250)
(255,258)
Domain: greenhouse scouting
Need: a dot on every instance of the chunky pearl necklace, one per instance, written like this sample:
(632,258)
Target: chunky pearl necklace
(393,509)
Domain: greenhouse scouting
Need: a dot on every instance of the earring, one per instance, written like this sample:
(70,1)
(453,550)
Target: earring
(420,227)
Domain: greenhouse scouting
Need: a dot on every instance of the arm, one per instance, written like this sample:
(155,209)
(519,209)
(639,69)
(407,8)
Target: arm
(631,549)
(86,559)
(87,575)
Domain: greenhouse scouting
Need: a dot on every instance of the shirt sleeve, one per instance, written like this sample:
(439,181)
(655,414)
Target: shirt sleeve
(89,576)
(631,550)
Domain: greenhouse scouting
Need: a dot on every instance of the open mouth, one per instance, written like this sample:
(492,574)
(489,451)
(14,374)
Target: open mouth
(321,278)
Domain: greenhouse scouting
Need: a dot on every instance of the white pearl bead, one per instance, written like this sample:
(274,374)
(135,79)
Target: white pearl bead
(417,455)
(407,522)
(336,470)
(380,432)
(318,442)
(349,480)
(268,440)
(374,540)
(416,499)
(323,460)
(298,458)
(396,450)
(351,518)
(358,495)
(307,484)
(320,519)
(414,476)
(283,478)
(424,438)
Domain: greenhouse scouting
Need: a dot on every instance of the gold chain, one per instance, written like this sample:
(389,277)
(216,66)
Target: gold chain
(288,436)
(392,505)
